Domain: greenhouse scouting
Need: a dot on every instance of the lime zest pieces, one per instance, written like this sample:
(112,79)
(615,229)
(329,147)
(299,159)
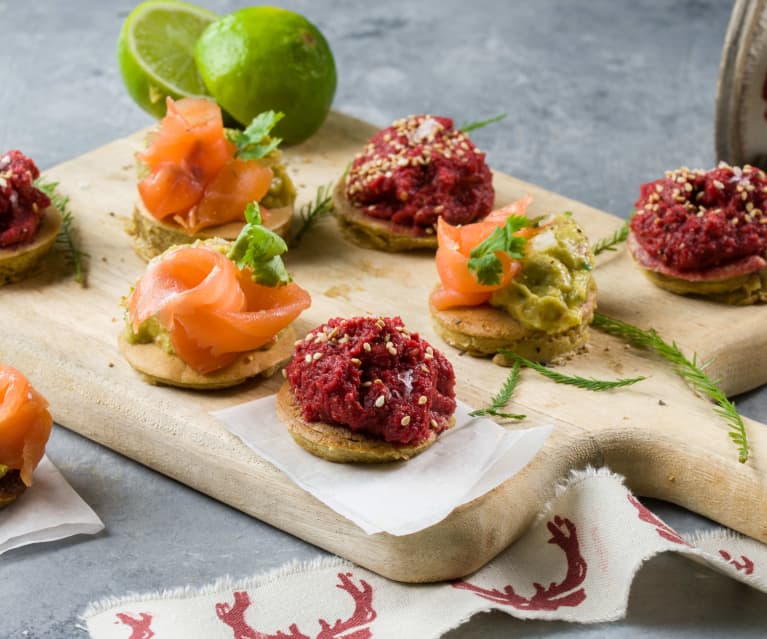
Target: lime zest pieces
(259,249)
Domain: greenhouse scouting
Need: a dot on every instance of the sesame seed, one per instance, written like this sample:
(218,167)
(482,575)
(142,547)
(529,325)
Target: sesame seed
(392,350)
(433,423)
(355,361)
(380,401)
(405,421)
(366,384)
(718,184)
(284,373)
(367,347)
(308,358)
(659,188)
(422,400)
(317,356)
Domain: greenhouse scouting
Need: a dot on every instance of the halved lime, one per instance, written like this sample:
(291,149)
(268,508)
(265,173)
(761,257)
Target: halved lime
(155,52)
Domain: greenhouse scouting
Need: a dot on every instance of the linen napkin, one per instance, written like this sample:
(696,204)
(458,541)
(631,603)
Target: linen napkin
(575,563)
(473,457)
(48,510)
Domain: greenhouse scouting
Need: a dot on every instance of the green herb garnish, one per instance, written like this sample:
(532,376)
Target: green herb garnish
(258,248)
(255,142)
(312,212)
(503,397)
(473,126)
(66,237)
(587,383)
(484,262)
(610,243)
(689,370)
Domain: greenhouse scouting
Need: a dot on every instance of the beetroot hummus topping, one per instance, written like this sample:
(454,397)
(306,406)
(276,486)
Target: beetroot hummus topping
(696,220)
(21,203)
(371,374)
(418,169)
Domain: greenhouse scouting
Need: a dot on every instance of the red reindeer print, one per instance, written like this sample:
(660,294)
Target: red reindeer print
(139,627)
(351,628)
(568,592)
(662,529)
(746,565)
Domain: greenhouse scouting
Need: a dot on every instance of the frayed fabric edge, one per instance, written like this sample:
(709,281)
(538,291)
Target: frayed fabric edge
(574,478)
(223,583)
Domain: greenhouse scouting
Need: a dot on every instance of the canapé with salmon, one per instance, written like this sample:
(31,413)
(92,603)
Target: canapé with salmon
(197,178)
(214,313)
(25,426)
(510,283)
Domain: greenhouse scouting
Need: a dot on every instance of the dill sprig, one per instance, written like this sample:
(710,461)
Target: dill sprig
(312,212)
(587,383)
(66,237)
(610,243)
(690,371)
(503,397)
(473,126)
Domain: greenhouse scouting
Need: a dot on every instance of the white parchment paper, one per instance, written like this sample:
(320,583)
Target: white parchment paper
(399,498)
(50,509)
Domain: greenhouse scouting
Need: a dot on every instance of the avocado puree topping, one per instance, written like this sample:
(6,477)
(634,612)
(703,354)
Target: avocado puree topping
(549,293)
(149,331)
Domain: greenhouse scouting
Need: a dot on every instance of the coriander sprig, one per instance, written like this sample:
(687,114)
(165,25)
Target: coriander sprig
(473,126)
(610,243)
(66,237)
(258,248)
(484,262)
(689,370)
(311,212)
(503,397)
(587,383)
(255,142)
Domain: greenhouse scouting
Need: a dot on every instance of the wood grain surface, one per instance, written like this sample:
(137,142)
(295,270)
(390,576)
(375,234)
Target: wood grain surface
(668,442)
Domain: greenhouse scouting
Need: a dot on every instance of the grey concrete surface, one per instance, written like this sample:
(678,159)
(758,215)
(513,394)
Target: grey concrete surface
(601,96)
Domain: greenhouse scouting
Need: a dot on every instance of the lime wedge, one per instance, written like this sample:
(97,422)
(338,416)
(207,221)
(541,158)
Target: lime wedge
(155,52)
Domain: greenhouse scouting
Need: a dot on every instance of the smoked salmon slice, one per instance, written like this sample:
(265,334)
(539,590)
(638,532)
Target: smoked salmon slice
(195,178)
(212,310)
(238,183)
(459,286)
(25,423)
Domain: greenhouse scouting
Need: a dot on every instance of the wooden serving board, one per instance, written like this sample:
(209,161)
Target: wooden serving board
(668,442)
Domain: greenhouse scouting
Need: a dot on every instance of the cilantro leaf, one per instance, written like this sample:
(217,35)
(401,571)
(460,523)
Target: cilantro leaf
(259,249)
(255,142)
(484,262)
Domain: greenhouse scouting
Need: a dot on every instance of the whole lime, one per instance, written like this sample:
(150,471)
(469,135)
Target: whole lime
(265,58)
